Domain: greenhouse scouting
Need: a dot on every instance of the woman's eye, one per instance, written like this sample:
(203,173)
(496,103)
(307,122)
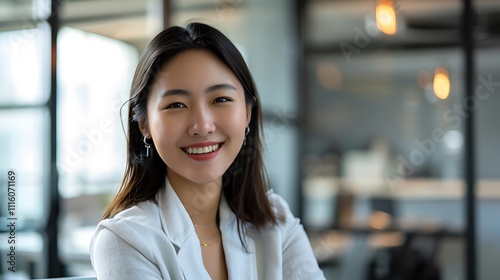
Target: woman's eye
(175,105)
(221,99)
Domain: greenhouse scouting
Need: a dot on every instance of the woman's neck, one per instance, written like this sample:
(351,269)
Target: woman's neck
(200,200)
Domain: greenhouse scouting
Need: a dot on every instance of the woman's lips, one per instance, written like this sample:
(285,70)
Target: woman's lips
(203,151)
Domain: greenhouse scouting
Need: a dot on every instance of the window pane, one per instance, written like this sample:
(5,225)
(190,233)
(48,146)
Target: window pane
(488,159)
(389,97)
(385,130)
(280,138)
(94,80)
(488,132)
(24,150)
(24,66)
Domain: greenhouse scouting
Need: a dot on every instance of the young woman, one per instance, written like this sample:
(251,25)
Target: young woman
(194,202)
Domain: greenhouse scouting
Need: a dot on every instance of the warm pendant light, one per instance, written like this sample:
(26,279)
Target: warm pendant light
(386,17)
(441,84)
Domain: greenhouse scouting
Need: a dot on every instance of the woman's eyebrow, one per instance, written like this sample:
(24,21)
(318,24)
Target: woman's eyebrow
(219,87)
(174,92)
(207,90)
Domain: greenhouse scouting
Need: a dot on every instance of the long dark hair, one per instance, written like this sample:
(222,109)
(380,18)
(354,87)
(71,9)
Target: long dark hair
(244,183)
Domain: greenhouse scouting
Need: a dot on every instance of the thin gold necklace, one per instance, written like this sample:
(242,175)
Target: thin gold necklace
(209,244)
(207,238)
(209,225)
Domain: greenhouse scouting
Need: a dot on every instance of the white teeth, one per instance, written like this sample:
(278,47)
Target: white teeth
(204,150)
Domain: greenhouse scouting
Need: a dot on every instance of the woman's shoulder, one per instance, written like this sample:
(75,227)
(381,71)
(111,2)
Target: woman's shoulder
(140,217)
(131,235)
(281,208)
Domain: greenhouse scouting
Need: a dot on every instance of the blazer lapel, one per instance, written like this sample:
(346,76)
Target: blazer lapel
(180,231)
(239,262)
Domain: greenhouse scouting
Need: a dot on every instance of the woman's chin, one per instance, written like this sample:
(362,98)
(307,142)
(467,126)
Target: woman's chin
(203,177)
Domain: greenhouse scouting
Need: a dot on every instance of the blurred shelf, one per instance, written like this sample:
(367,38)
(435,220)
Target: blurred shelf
(415,188)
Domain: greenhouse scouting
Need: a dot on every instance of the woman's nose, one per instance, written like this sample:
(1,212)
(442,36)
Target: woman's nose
(201,122)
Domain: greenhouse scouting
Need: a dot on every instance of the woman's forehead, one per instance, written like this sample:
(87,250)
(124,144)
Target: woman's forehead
(195,70)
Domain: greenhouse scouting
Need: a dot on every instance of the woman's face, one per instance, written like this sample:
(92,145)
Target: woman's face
(197,116)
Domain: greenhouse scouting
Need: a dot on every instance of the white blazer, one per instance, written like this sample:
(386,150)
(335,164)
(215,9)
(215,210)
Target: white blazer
(158,241)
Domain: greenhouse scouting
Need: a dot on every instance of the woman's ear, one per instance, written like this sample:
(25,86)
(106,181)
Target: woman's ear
(249,114)
(144,128)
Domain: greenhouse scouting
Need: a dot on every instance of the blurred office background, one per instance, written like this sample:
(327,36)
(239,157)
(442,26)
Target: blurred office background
(364,120)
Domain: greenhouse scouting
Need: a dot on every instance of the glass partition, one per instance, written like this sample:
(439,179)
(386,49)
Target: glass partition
(24,134)
(385,111)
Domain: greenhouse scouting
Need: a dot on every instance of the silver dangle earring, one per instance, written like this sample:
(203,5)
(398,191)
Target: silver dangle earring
(148,146)
(247,130)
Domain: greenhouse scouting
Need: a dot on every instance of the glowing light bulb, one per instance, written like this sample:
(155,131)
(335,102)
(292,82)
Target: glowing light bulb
(441,84)
(386,17)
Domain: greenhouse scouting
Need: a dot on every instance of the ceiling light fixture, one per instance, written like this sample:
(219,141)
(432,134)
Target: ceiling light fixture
(385,15)
(441,84)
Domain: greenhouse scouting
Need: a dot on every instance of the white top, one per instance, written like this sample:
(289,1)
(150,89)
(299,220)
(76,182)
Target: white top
(150,241)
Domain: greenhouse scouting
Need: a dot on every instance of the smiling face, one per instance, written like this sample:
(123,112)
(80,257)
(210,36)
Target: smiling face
(196,116)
